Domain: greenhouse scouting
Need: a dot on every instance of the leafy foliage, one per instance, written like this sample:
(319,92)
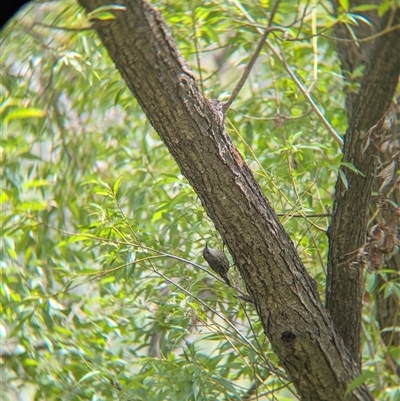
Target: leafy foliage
(104,292)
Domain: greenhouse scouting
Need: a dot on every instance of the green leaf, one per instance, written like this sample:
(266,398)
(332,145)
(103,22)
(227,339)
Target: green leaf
(360,380)
(106,12)
(383,8)
(343,177)
(36,184)
(351,167)
(22,113)
(117,185)
(371,282)
(364,7)
(107,280)
(344,4)
(30,362)
(88,376)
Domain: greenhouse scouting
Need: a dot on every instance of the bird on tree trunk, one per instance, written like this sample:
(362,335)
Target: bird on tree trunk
(218,262)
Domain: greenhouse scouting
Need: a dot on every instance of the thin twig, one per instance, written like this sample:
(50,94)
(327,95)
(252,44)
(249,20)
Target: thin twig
(63,28)
(305,93)
(196,46)
(249,66)
(296,80)
(304,216)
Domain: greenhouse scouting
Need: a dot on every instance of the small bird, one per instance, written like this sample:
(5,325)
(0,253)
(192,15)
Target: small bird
(218,262)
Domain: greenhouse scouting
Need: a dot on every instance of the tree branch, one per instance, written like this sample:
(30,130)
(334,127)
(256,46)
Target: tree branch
(347,233)
(249,67)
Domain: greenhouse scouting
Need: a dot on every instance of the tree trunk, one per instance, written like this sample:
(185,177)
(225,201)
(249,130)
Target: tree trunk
(192,127)
(351,210)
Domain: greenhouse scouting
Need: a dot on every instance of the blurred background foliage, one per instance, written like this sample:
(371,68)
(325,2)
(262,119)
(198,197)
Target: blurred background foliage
(105,295)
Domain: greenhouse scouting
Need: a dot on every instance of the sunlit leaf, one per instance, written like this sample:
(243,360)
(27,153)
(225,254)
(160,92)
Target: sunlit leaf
(106,12)
(21,113)
(360,380)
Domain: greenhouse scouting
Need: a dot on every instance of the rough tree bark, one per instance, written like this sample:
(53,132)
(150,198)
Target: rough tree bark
(192,127)
(351,210)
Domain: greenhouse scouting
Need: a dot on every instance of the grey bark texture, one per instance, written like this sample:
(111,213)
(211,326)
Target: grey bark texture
(192,127)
